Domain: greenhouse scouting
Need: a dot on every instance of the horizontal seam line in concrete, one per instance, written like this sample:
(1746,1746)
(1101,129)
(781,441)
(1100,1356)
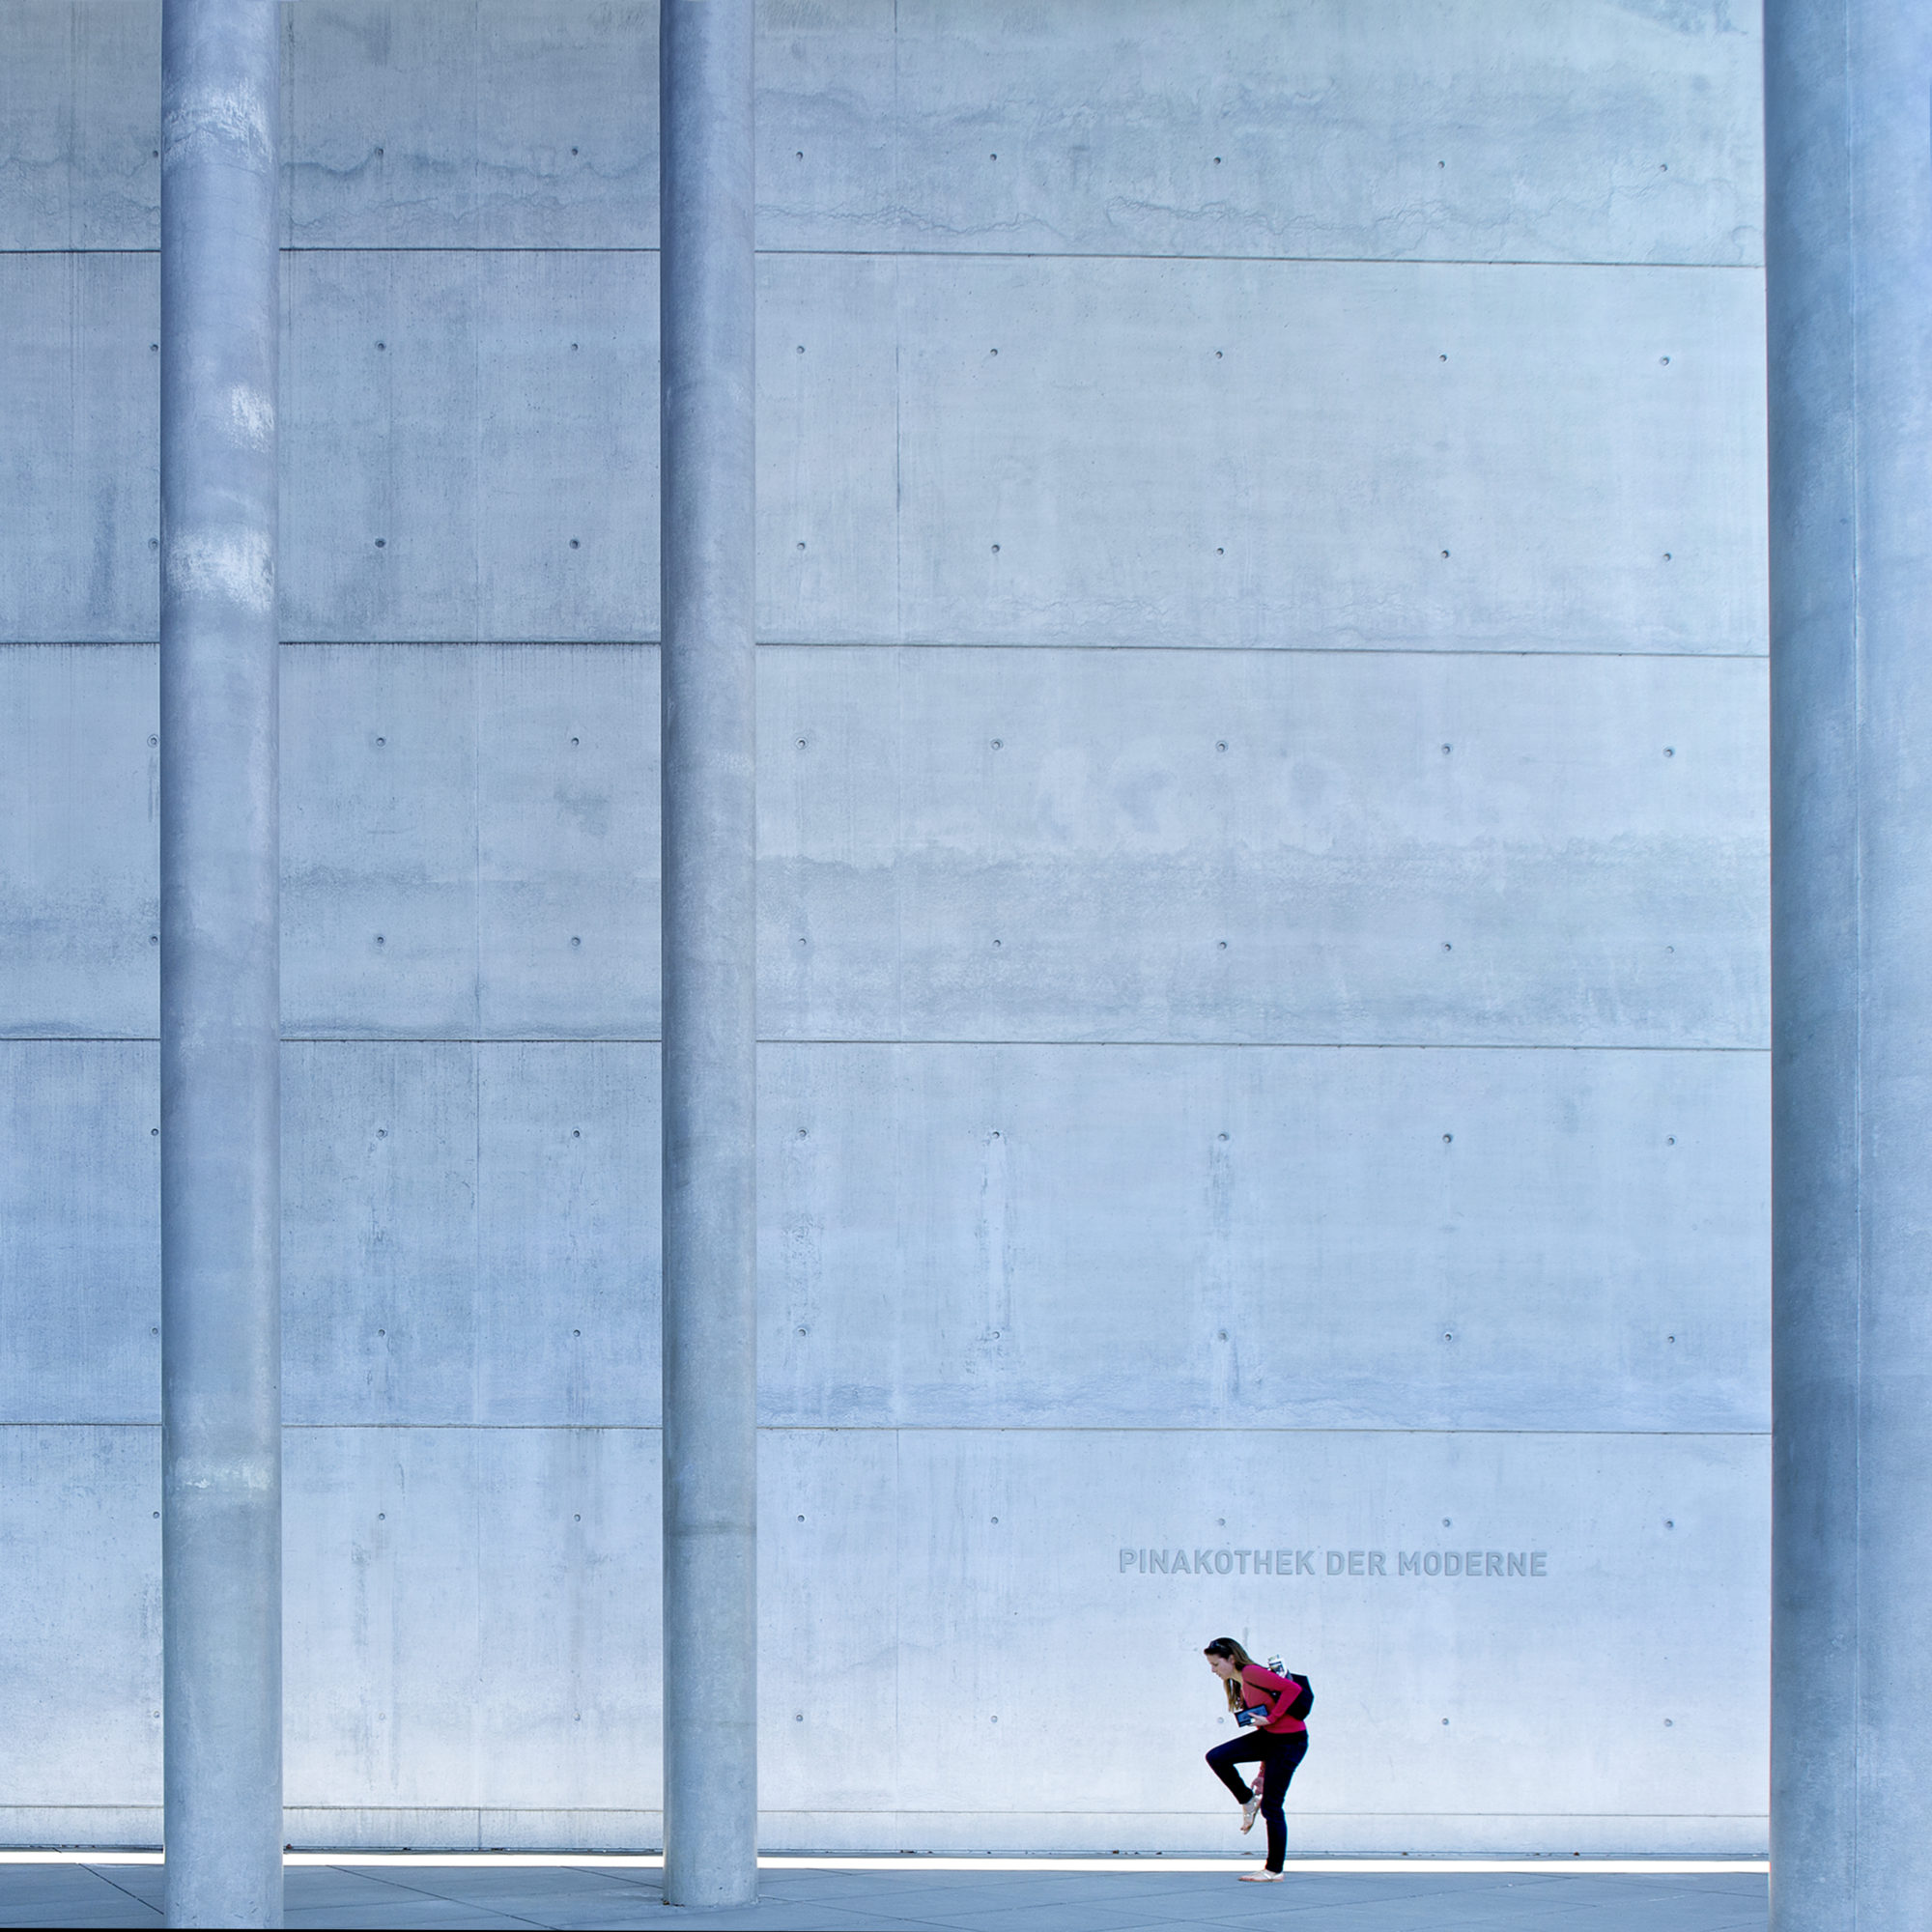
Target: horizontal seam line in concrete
(1263,649)
(1288,1045)
(963,1429)
(918,1812)
(1133,1861)
(961,255)
(1581,654)
(1124,1046)
(1129,1863)
(1312,261)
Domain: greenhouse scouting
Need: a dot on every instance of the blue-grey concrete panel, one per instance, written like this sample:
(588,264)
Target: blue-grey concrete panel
(472,447)
(81,447)
(1049,453)
(1469,131)
(830,535)
(470,841)
(567,1238)
(474,451)
(496,125)
(381,423)
(80,1617)
(380,1233)
(1476,131)
(1006,1599)
(466,1238)
(1199,453)
(436,1661)
(79,853)
(380,785)
(1055,845)
(464,1241)
(473,1619)
(567,843)
(80,125)
(834,1708)
(1604,133)
(1233,1237)
(1323,454)
(1583,867)
(80,1283)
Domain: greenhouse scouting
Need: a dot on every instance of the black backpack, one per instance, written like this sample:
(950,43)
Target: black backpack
(1304,1698)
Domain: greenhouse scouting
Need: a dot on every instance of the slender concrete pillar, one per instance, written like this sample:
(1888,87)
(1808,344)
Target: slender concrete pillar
(221,1523)
(1848,125)
(710,957)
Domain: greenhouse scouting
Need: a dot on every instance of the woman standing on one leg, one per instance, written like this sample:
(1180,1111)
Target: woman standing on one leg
(1277,1740)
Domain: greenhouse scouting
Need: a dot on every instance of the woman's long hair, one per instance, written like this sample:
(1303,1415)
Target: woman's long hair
(1226,1646)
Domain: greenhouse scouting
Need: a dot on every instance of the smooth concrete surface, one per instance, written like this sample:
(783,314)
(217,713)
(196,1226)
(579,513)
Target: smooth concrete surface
(1849,204)
(1486,130)
(1062,845)
(220,961)
(708,757)
(428,1184)
(920,1898)
(1033,1282)
(1006,450)
(907,1572)
(85,1697)
(1198,846)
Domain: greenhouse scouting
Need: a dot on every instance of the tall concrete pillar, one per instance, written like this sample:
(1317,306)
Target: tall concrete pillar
(221,1520)
(1848,125)
(710,957)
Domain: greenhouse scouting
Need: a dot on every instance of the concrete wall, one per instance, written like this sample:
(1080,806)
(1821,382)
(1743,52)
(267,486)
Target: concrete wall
(1264,902)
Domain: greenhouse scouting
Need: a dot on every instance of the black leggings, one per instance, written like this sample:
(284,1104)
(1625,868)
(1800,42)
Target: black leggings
(1279,1752)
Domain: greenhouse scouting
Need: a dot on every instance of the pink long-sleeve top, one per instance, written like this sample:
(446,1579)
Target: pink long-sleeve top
(1264,1687)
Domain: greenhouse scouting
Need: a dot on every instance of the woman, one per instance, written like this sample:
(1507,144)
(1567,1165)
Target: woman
(1278,1741)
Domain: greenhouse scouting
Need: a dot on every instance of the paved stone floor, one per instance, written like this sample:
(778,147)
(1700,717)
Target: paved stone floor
(921,1899)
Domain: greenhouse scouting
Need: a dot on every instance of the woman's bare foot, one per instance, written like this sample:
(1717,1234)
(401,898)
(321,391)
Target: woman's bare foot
(1263,1877)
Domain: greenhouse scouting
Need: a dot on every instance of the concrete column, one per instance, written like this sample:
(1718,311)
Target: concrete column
(710,957)
(1849,239)
(221,1523)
